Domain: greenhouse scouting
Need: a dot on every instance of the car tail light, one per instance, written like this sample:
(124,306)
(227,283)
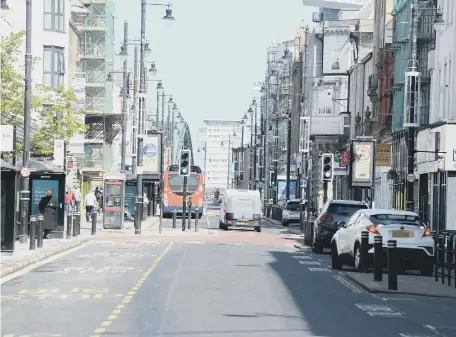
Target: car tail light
(326,218)
(427,232)
(229,222)
(372,229)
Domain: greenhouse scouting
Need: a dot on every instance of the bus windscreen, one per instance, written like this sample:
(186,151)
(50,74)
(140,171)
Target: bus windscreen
(176,182)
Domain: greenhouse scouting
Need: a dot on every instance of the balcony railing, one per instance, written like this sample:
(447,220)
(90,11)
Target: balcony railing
(95,49)
(95,76)
(96,21)
(95,104)
(93,160)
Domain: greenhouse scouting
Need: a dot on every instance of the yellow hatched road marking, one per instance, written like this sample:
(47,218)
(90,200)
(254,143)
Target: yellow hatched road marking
(127,298)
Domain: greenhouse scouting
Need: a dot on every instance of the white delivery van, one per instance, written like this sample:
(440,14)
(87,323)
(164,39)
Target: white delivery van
(241,208)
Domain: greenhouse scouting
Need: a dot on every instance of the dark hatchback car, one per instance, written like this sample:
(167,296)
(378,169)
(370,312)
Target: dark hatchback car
(325,225)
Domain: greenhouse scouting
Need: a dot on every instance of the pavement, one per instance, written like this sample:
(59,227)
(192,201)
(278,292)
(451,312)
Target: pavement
(213,283)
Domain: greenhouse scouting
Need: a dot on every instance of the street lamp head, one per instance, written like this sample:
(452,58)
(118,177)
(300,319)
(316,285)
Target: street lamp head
(234,134)
(245,117)
(221,143)
(123,50)
(159,86)
(263,88)
(179,115)
(4,5)
(153,68)
(175,106)
(250,110)
(170,100)
(147,47)
(169,14)
(254,102)
(109,77)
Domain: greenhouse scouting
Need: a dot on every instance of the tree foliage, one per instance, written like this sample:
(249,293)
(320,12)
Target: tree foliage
(53,112)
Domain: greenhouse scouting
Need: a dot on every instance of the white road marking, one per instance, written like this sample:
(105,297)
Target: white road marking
(319,269)
(414,335)
(398,299)
(196,242)
(348,284)
(379,310)
(434,330)
(315,263)
(302,257)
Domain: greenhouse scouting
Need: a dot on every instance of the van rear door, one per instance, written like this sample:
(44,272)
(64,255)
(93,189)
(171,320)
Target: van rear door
(240,208)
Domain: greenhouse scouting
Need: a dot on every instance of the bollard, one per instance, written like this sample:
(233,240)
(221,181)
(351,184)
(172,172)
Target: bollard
(76,222)
(196,219)
(364,251)
(378,258)
(392,270)
(32,232)
(70,225)
(189,218)
(94,222)
(174,219)
(39,236)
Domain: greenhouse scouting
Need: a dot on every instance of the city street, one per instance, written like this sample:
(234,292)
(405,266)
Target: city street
(210,283)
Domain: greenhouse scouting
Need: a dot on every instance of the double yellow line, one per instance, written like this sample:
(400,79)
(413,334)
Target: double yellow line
(127,298)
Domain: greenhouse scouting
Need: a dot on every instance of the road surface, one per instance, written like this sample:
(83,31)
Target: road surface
(214,283)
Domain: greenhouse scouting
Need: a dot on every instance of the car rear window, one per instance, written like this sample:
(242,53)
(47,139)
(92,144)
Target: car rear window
(344,209)
(293,206)
(395,219)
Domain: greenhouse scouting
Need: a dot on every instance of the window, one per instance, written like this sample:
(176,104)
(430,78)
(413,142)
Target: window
(53,67)
(54,15)
(395,219)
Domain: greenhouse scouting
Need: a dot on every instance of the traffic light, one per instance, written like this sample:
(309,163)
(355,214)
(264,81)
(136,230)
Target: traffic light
(327,167)
(184,163)
(272,178)
(241,176)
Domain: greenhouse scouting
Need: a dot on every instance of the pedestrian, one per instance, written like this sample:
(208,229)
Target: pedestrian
(368,202)
(77,198)
(90,203)
(99,197)
(69,197)
(47,206)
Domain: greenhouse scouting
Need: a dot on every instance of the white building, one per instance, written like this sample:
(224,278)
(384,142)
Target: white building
(50,38)
(437,170)
(215,140)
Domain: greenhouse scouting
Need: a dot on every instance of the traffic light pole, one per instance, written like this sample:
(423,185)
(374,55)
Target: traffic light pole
(184,203)
(325,191)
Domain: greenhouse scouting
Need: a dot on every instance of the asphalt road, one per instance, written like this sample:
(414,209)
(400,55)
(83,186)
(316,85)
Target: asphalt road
(202,288)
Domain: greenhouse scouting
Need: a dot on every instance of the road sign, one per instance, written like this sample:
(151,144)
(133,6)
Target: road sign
(25,172)
(411,178)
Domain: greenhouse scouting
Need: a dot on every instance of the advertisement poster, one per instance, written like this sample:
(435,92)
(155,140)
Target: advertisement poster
(363,164)
(282,189)
(130,195)
(152,155)
(39,190)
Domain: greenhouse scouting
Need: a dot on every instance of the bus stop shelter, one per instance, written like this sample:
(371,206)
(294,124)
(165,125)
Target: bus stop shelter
(9,174)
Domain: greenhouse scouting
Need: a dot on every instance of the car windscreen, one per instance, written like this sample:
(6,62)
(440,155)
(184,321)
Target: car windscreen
(176,182)
(292,206)
(345,209)
(395,219)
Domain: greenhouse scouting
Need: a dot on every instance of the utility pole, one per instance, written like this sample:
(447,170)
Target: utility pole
(124,101)
(135,116)
(411,113)
(228,168)
(266,168)
(163,111)
(276,139)
(142,130)
(255,151)
(25,190)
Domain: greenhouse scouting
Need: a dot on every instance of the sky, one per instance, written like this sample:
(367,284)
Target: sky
(214,51)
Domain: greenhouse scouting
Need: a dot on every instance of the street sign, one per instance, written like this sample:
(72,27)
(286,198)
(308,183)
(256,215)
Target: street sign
(25,172)
(411,178)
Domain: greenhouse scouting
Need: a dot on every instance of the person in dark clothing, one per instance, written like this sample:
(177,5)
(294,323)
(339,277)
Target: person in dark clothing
(47,207)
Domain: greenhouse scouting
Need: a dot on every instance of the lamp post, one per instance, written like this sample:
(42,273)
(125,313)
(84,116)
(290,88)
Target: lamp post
(124,52)
(141,133)
(25,190)
(204,148)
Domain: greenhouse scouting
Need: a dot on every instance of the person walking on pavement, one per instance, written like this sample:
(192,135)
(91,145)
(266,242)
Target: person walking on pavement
(77,198)
(90,202)
(69,197)
(47,206)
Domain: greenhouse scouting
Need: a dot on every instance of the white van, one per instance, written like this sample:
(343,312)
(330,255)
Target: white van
(241,208)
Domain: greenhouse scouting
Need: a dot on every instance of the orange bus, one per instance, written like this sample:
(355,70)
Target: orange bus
(173,190)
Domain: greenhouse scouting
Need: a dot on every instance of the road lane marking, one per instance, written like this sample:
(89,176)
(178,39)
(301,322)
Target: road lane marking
(302,257)
(434,330)
(318,269)
(127,298)
(379,310)
(56,294)
(116,254)
(315,263)
(348,284)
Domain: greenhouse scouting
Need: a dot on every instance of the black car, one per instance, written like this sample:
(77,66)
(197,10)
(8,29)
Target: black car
(325,225)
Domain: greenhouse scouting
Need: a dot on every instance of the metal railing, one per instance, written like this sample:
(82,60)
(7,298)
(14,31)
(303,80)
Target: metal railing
(95,49)
(95,76)
(95,104)
(94,160)
(98,21)
(445,256)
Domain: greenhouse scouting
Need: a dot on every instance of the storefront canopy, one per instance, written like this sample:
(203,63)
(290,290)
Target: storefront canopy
(7,166)
(42,166)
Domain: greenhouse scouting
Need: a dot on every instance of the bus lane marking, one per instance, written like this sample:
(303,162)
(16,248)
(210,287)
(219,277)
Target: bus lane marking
(114,314)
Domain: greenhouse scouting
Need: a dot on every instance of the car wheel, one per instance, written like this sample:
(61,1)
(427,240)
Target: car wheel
(221,225)
(317,247)
(359,263)
(285,223)
(427,269)
(335,259)
(258,229)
